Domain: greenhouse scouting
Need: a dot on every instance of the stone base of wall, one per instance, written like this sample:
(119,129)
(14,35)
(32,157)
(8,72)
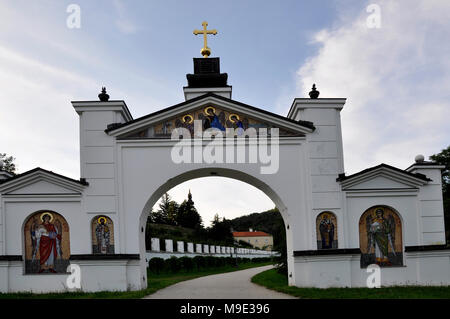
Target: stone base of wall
(111,274)
(421,268)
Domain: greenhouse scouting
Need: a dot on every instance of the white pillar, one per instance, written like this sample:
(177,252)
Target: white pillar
(169,245)
(155,244)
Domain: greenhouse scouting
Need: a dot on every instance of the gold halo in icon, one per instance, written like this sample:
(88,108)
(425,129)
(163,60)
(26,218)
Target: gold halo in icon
(230,117)
(46,213)
(209,108)
(99,220)
(374,212)
(191,118)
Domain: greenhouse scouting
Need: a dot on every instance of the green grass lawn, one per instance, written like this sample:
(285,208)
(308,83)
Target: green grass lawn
(155,282)
(275,281)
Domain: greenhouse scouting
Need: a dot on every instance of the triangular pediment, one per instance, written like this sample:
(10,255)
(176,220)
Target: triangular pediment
(41,182)
(213,111)
(382,177)
(41,187)
(379,182)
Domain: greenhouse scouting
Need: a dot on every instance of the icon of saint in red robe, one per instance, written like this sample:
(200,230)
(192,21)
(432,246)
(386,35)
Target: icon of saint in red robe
(48,242)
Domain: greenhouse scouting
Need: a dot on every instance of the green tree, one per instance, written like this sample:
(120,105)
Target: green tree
(269,221)
(187,215)
(167,212)
(443,158)
(7,163)
(220,230)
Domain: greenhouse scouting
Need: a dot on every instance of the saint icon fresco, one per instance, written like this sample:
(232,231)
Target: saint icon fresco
(326,227)
(380,238)
(46,243)
(211,120)
(187,121)
(210,117)
(235,122)
(103,235)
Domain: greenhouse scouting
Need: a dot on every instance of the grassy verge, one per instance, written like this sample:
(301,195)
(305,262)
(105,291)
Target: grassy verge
(155,282)
(275,281)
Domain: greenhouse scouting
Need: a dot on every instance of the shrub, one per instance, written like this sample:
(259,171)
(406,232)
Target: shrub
(173,264)
(199,261)
(219,261)
(229,261)
(186,263)
(156,265)
(210,261)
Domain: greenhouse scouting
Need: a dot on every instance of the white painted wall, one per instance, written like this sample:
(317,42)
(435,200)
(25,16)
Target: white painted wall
(324,159)
(150,254)
(421,268)
(430,205)
(127,177)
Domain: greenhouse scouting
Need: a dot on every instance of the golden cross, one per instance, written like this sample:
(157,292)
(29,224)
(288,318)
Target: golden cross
(205,51)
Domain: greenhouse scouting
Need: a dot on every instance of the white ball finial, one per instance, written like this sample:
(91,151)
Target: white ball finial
(419,158)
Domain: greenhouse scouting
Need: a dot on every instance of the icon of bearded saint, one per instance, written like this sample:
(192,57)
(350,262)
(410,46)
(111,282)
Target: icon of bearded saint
(326,228)
(102,232)
(381,236)
(46,238)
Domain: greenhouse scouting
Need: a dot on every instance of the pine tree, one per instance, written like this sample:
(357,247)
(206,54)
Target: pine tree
(166,214)
(187,215)
(220,230)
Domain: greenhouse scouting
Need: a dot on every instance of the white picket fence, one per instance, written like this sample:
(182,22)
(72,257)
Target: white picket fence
(193,250)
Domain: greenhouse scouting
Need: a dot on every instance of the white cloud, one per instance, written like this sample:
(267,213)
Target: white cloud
(123,22)
(39,126)
(227,197)
(396,79)
(47,66)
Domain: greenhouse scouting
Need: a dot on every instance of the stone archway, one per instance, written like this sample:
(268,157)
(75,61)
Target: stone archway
(206,172)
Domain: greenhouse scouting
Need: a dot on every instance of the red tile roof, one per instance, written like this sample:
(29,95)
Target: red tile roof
(249,234)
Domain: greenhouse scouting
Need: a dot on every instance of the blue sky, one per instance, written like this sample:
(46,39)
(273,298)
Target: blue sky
(396,78)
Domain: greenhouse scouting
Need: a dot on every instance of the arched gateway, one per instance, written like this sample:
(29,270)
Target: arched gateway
(297,160)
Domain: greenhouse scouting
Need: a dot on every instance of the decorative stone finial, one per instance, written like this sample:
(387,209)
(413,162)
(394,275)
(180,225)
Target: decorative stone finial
(419,158)
(314,94)
(103,96)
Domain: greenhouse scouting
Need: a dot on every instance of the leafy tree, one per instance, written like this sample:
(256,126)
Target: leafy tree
(8,163)
(443,158)
(272,223)
(269,221)
(187,215)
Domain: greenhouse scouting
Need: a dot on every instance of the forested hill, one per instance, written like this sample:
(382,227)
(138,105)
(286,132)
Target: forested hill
(269,221)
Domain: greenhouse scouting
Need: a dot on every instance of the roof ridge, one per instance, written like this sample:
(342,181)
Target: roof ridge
(306,124)
(81,181)
(343,177)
